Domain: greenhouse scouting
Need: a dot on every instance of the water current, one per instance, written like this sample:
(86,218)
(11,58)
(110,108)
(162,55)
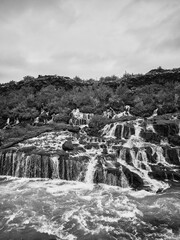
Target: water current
(57,209)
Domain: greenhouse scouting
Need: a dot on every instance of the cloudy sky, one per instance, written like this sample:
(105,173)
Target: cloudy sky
(87,38)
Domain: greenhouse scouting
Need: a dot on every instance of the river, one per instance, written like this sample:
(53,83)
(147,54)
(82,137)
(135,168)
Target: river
(44,209)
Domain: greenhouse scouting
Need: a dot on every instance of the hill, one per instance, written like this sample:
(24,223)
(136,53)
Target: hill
(24,100)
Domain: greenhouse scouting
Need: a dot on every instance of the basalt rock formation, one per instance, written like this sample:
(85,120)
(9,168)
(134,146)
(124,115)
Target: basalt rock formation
(118,131)
(123,155)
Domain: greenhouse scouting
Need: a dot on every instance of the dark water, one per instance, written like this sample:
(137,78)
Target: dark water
(34,209)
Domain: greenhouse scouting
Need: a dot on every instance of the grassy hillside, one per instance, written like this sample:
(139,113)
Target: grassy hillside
(24,100)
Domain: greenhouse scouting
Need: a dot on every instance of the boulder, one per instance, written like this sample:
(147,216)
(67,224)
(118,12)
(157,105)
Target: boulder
(133,178)
(67,146)
(158,172)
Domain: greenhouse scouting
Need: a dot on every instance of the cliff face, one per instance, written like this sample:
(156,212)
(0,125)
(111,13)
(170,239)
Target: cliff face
(140,153)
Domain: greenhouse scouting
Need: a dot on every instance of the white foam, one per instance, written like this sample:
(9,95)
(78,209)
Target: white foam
(90,170)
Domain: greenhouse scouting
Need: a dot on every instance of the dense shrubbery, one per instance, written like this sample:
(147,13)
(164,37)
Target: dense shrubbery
(97,123)
(57,95)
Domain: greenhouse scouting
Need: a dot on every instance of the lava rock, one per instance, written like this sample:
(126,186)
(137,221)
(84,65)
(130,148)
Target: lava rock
(67,146)
(166,128)
(133,178)
(173,156)
(174,140)
(150,136)
(128,130)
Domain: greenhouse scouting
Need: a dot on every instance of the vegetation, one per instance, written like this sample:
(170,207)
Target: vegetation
(24,100)
(19,133)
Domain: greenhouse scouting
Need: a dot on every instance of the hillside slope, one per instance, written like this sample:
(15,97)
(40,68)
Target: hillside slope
(25,99)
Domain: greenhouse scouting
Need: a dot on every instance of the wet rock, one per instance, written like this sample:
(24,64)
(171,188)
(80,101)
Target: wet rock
(128,156)
(91,145)
(103,145)
(124,131)
(110,157)
(74,129)
(134,179)
(105,151)
(99,176)
(67,146)
(113,177)
(174,140)
(176,176)
(166,128)
(158,172)
(150,155)
(172,156)
(150,136)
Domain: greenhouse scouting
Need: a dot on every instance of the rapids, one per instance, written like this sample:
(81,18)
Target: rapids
(56,209)
(123,184)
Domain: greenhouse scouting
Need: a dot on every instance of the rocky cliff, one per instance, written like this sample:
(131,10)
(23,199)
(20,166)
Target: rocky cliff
(140,153)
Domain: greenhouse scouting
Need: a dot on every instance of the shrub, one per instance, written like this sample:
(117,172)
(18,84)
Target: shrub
(62,117)
(98,122)
(87,109)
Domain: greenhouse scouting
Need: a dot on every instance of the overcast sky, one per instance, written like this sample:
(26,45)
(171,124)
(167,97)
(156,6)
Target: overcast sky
(87,38)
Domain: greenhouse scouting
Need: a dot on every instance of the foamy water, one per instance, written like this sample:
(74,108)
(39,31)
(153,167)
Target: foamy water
(57,209)
(45,209)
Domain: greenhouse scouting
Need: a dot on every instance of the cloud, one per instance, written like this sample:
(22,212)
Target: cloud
(87,38)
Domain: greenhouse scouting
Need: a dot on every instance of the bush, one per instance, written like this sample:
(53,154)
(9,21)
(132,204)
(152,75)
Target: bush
(98,121)
(15,132)
(87,109)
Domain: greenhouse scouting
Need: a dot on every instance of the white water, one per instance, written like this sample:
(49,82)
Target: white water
(109,130)
(135,140)
(150,127)
(89,176)
(83,210)
(67,210)
(55,162)
(154,114)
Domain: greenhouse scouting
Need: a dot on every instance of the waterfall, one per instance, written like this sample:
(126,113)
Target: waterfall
(122,131)
(109,130)
(150,127)
(55,166)
(126,157)
(138,128)
(154,114)
(89,176)
(179,128)
(124,181)
(135,140)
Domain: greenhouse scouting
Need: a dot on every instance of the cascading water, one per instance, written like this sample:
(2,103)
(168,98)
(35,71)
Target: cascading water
(150,127)
(124,181)
(39,203)
(109,130)
(55,167)
(135,139)
(179,128)
(89,176)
